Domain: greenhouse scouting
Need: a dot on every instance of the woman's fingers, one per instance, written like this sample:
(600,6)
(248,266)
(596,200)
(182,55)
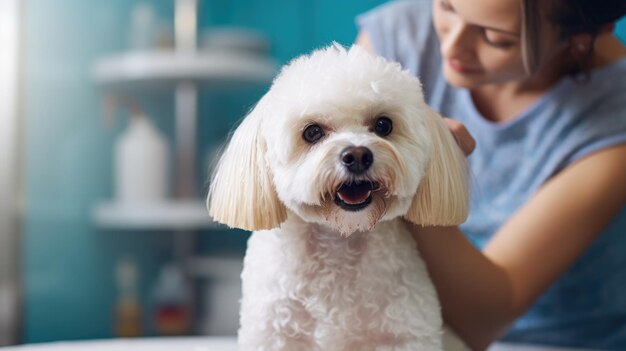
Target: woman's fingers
(462,135)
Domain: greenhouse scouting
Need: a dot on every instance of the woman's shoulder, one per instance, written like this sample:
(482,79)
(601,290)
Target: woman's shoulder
(397,16)
(401,9)
(402,31)
(594,112)
(602,96)
(398,28)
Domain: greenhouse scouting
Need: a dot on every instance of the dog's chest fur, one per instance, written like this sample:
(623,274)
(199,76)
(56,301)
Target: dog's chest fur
(331,292)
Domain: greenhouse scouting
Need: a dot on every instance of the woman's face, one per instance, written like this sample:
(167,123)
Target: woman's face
(480,41)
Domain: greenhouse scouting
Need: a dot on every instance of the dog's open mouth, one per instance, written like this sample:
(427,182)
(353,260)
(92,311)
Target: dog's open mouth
(356,195)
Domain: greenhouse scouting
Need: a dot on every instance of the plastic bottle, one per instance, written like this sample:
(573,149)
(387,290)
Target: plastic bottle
(127,309)
(172,298)
(141,163)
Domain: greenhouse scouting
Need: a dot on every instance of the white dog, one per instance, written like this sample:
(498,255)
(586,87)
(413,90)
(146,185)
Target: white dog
(324,168)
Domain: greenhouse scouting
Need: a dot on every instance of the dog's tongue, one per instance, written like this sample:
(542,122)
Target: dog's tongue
(355,193)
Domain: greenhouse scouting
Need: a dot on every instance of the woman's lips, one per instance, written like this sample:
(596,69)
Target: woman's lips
(459,67)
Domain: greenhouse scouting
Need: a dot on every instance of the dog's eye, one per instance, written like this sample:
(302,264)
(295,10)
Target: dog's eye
(312,133)
(383,126)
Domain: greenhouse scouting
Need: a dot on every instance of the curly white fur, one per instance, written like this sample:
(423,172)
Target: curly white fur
(319,275)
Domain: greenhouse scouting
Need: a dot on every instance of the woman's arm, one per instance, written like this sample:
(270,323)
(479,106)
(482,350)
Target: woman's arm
(482,293)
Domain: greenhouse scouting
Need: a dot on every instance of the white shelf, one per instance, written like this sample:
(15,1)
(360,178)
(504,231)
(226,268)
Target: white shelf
(171,215)
(147,69)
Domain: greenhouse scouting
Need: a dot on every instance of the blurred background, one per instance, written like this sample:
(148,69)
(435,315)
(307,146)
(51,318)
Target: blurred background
(111,113)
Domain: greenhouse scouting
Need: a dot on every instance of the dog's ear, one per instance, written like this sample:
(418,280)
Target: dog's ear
(443,194)
(242,193)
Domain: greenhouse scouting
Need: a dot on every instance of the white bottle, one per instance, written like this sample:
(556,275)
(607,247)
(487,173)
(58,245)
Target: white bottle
(141,164)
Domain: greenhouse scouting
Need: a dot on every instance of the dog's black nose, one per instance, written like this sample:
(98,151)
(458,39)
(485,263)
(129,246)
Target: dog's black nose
(357,159)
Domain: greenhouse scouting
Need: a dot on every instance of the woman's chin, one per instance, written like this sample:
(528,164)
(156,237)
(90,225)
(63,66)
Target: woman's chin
(461,80)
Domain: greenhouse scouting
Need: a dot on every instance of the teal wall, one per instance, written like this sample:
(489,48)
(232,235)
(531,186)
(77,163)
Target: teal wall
(68,264)
(294,27)
(621,29)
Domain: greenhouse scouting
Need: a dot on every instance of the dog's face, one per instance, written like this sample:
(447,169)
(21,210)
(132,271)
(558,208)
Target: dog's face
(342,138)
(346,140)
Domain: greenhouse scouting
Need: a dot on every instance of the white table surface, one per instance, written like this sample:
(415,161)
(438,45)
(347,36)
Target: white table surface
(140,344)
(189,344)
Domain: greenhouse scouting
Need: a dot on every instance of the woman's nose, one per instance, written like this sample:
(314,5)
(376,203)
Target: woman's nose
(458,41)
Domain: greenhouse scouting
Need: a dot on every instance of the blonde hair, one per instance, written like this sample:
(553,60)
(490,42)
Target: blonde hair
(443,195)
(242,193)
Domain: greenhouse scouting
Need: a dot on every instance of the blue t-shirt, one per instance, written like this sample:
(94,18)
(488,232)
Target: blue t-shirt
(586,306)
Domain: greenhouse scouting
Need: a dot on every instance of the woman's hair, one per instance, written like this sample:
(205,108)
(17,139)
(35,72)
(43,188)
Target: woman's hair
(570,17)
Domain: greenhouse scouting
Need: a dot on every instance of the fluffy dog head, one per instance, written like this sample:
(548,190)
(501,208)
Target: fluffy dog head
(343,138)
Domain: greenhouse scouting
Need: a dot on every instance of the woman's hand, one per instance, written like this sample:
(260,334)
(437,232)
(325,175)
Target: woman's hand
(461,134)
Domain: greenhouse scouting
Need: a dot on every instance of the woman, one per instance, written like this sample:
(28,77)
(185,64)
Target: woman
(541,87)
